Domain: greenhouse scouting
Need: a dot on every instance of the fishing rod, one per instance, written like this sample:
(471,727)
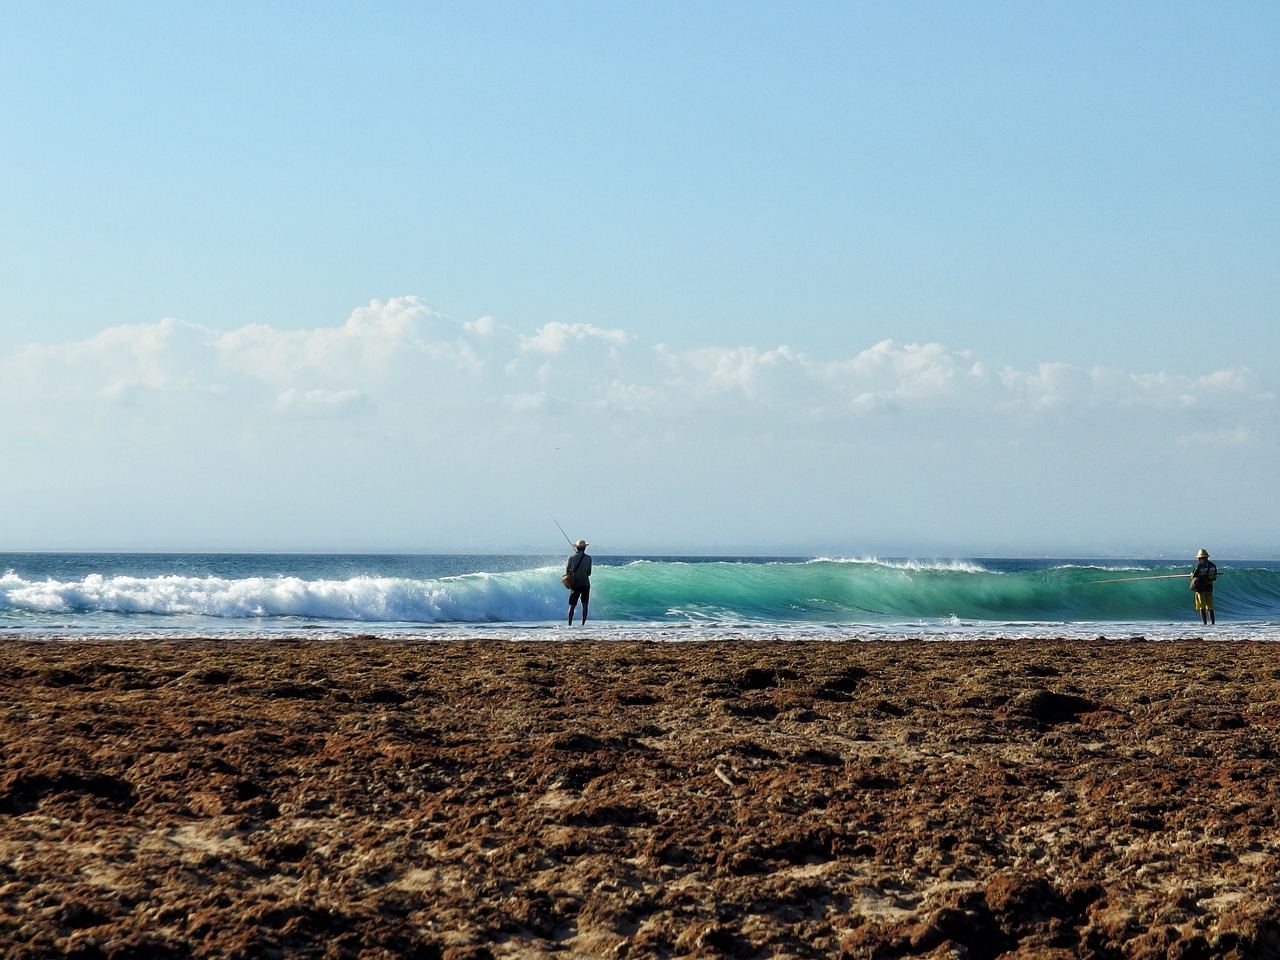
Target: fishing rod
(1162,576)
(563,534)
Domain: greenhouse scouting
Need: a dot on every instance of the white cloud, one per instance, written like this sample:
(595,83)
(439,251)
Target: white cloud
(558,338)
(747,372)
(884,376)
(402,355)
(914,371)
(119,363)
(449,415)
(403,351)
(1049,386)
(322,403)
(373,342)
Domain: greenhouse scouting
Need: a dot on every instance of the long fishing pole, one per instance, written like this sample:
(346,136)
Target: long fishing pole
(562,533)
(1163,576)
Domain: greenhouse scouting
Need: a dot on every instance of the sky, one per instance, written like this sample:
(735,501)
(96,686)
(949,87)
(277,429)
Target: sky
(826,278)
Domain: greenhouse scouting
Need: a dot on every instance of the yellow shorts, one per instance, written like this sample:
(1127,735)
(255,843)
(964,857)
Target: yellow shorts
(1204,601)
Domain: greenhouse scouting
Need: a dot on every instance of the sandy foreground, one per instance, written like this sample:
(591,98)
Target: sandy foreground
(602,799)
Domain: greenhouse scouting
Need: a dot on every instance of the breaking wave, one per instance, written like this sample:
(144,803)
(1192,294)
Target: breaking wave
(822,591)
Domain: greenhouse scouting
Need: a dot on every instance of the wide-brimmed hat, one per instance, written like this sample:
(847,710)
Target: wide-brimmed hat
(1203,553)
(581,543)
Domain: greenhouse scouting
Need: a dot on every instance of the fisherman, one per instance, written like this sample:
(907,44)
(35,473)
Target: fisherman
(1202,578)
(579,566)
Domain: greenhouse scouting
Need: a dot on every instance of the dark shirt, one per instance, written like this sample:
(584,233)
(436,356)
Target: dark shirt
(580,566)
(1203,576)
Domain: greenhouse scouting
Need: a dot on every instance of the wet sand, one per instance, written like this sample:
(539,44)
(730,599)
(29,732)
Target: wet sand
(591,799)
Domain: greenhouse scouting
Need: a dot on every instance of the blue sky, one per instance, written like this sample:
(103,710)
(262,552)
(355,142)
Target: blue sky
(819,278)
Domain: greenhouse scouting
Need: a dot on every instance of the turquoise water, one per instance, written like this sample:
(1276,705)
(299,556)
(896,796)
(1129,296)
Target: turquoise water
(68,595)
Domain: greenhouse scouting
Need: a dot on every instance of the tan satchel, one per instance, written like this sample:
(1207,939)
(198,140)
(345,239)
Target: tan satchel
(571,575)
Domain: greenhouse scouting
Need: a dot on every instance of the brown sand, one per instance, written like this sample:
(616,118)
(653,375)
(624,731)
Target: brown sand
(589,799)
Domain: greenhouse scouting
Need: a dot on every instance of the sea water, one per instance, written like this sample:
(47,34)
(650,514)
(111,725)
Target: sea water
(74,595)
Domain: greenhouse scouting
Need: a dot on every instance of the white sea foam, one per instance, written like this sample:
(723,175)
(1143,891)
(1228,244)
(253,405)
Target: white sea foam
(470,598)
(946,566)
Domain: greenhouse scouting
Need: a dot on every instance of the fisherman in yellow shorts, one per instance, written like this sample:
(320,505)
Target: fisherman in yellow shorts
(1202,578)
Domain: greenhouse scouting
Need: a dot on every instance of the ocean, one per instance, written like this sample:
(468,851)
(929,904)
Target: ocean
(440,596)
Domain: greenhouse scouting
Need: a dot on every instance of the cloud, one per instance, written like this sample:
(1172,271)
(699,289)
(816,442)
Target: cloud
(1051,386)
(883,377)
(322,403)
(118,364)
(402,362)
(556,339)
(389,423)
(375,342)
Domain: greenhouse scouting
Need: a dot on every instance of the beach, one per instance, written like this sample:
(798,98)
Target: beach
(581,798)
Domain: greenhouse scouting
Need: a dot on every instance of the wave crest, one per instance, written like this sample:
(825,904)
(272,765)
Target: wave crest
(821,591)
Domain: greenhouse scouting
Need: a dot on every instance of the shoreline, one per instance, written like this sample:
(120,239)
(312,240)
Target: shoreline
(624,632)
(469,798)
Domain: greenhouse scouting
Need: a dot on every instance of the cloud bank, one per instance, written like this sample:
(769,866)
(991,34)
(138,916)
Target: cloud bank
(387,351)
(933,440)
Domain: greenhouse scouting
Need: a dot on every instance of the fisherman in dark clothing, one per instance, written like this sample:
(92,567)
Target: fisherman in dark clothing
(579,566)
(1202,578)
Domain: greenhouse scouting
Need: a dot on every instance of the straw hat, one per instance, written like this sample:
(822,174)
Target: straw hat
(1203,554)
(582,543)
